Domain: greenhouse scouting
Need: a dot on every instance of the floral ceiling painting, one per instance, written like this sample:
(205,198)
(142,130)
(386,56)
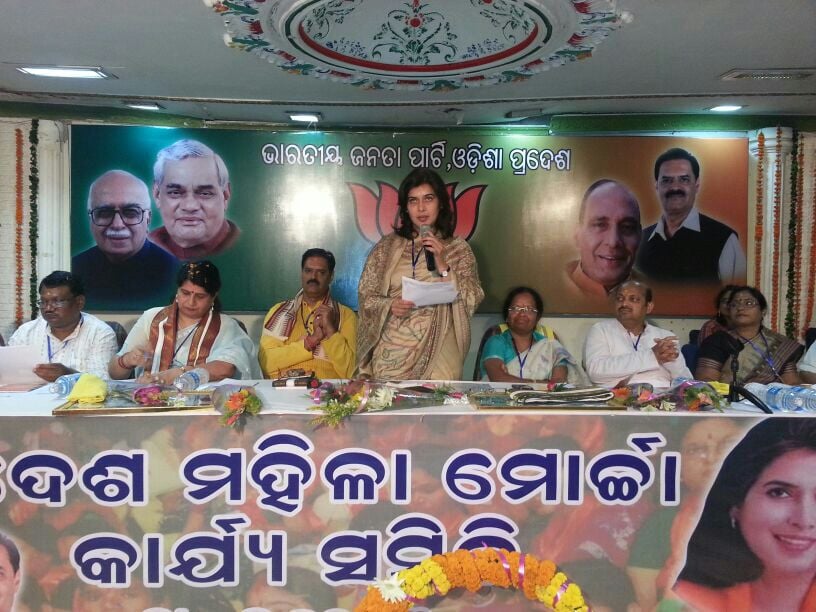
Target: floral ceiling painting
(411,44)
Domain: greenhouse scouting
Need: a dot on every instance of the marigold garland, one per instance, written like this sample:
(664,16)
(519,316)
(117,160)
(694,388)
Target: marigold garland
(18,230)
(760,212)
(777,230)
(33,213)
(539,580)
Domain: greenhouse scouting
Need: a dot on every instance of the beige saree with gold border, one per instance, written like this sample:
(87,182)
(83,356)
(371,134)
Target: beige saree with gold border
(430,342)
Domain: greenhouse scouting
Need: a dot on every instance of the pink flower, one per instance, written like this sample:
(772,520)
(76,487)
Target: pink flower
(255,27)
(581,7)
(575,40)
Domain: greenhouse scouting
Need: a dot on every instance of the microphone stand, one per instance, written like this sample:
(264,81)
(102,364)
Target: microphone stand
(737,389)
(733,396)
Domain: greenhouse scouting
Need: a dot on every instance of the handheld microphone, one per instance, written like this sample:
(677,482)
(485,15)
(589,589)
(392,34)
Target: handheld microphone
(425,230)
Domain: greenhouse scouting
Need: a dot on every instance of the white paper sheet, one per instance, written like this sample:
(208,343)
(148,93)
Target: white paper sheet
(427,294)
(17,364)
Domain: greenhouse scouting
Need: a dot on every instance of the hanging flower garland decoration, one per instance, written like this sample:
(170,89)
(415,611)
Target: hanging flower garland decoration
(798,264)
(811,288)
(777,229)
(760,194)
(33,213)
(339,402)
(18,228)
(791,318)
(539,580)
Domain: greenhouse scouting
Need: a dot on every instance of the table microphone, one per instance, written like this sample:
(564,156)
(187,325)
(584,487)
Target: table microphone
(425,230)
(735,345)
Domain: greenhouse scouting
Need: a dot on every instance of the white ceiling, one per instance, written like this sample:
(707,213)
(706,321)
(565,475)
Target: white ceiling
(669,59)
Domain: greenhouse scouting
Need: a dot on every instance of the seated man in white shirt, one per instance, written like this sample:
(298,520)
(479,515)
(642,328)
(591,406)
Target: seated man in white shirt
(68,339)
(807,366)
(627,349)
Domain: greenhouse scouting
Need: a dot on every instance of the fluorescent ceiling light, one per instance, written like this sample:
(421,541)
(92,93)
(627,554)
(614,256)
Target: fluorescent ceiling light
(725,108)
(151,106)
(304,117)
(66,72)
(525,113)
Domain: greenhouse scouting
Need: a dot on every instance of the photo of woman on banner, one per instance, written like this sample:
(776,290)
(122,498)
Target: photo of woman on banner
(754,547)
(395,338)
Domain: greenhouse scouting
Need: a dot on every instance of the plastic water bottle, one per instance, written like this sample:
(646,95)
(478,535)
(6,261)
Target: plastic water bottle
(192,380)
(795,398)
(63,385)
(785,398)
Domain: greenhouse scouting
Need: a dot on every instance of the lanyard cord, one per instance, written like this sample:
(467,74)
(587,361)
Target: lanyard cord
(53,353)
(183,342)
(414,259)
(518,355)
(766,354)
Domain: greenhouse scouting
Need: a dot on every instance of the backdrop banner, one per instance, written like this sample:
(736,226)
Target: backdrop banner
(517,196)
(177,512)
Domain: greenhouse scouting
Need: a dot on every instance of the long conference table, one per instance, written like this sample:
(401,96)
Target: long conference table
(180,509)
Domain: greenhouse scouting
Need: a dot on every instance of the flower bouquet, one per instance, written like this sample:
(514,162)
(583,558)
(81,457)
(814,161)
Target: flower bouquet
(684,395)
(339,402)
(236,404)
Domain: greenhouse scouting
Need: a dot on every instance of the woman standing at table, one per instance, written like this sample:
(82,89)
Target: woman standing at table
(395,338)
(189,333)
(764,356)
(754,547)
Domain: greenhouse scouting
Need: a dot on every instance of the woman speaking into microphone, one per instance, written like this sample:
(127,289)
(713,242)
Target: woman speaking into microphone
(395,338)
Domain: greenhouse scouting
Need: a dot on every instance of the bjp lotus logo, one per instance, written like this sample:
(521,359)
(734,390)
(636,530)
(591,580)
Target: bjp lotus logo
(376,213)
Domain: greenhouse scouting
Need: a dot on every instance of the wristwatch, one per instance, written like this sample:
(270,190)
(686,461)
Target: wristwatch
(444,273)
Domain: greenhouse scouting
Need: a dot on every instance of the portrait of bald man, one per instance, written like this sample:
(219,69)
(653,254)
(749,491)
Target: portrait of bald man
(192,191)
(124,267)
(607,239)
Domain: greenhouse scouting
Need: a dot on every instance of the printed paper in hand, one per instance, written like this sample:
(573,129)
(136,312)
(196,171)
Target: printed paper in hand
(17,365)
(427,294)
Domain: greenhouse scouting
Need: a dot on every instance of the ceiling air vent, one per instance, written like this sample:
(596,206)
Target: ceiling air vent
(770,74)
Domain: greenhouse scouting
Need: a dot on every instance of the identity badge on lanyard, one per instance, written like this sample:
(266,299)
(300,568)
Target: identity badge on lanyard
(53,352)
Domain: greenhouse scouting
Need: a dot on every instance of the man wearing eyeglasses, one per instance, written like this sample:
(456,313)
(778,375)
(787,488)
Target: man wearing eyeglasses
(628,349)
(123,266)
(68,339)
(685,245)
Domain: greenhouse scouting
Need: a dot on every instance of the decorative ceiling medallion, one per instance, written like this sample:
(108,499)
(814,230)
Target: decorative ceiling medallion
(410,44)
